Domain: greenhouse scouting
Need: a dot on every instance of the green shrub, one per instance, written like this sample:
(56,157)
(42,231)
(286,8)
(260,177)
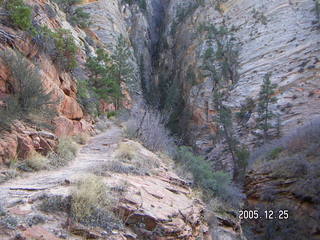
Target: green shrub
(60,45)
(66,49)
(80,18)
(246,110)
(111,114)
(243,156)
(76,16)
(29,100)
(274,153)
(20,14)
(216,184)
(87,98)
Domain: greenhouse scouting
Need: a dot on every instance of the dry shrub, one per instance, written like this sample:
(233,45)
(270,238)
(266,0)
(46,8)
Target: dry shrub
(29,100)
(126,151)
(149,126)
(81,138)
(55,203)
(132,161)
(90,193)
(129,160)
(8,174)
(123,168)
(103,124)
(92,204)
(304,140)
(303,137)
(66,151)
(37,162)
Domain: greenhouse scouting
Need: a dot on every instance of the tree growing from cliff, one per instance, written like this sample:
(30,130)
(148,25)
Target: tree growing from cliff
(29,100)
(220,60)
(123,67)
(266,98)
(220,64)
(224,121)
(76,16)
(105,79)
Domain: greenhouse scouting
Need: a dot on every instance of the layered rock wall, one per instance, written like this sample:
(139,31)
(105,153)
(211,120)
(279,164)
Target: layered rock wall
(280,37)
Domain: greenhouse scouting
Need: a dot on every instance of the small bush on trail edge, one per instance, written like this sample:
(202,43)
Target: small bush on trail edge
(67,150)
(8,174)
(214,184)
(103,124)
(55,203)
(81,138)
(37,162)
(92,204)
(148,126)
(8,221)
(129,160)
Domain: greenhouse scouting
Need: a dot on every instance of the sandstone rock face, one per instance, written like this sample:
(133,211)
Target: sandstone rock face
(157,205)
(62,85)
(280,37)
(268,192)
(153,203)
(20,143)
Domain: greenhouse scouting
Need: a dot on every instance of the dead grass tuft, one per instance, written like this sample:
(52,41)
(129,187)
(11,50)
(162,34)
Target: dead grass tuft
(67,150)
(37,162)
(92,204)
(81,138)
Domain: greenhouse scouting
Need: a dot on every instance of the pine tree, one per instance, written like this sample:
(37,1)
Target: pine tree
(220,61)
(124,70)
(266,98)
(224,120)
(104,78)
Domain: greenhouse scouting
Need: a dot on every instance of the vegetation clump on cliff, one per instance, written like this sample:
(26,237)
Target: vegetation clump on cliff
(29,100)
(266,98)
(75,15)
(141,3)
(214,184)
(20,14)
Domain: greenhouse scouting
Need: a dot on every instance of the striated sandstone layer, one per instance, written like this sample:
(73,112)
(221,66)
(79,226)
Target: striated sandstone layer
(280,37)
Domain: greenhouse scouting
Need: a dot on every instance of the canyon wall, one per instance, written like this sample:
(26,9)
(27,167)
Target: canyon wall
(277,37)
(63,85)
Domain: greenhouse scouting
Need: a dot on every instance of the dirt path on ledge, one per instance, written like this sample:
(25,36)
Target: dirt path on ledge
(97,151)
